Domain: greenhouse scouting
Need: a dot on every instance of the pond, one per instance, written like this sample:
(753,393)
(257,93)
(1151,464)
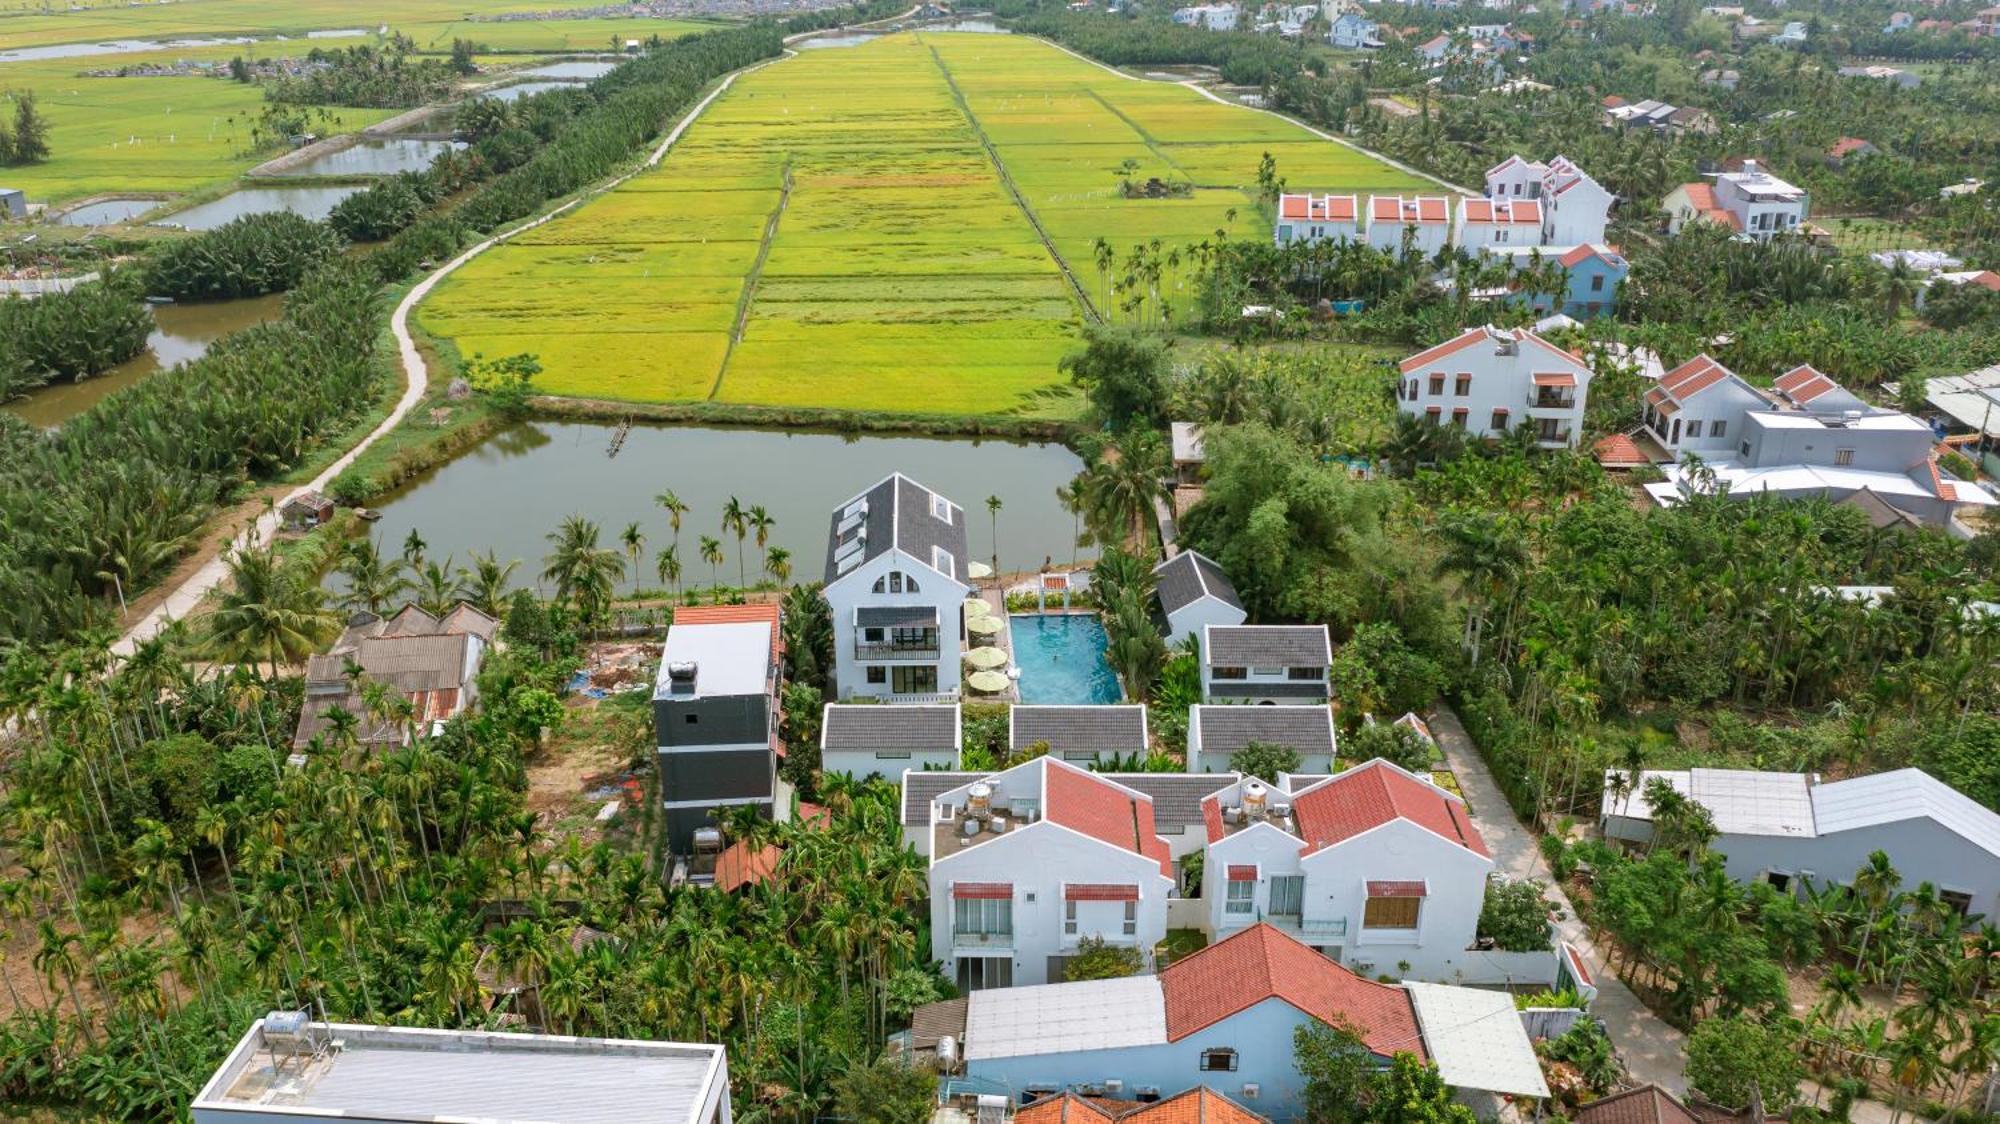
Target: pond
(180,332)
(381,156)
(573,68)
(983,27)
(511,491)
(848,39)
(112,47)
(312,202)
(104,212)
(521,90)
(1061,657)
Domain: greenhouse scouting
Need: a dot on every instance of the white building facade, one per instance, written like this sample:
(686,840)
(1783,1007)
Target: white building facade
(896,583)
(1266,663)
(1489,380)
(867,739)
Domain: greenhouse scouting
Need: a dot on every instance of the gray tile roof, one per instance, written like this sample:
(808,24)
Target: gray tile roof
(900,516)
(860,726)
(1189,576)
(1226,729)
(920,788)
(896,616)
(1268,645)
(1176,797)
(1079,729)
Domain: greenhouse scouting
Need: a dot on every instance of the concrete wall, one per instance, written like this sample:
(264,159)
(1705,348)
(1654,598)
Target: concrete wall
(1577,215)
(1875,450)
(1038,860)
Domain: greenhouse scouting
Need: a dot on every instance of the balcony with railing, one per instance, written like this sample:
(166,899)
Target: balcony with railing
(922,646)
(1552,398)
(996,940)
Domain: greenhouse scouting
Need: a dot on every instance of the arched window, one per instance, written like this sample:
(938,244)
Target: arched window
(895,582)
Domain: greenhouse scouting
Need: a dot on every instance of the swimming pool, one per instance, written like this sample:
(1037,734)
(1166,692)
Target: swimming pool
(1061,657)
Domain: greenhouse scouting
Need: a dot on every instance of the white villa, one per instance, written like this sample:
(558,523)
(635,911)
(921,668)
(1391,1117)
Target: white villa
(1026,862)
(1753,203)
(1079,734)
(896,565)
(1489,380)
(1266,663)
(864,739)
(1555,206)
(1194,593)
(1215,733)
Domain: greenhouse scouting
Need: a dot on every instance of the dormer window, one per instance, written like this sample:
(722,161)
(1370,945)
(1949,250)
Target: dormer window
(940,507)
(943,563)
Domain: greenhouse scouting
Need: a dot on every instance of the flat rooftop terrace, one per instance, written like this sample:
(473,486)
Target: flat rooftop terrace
(404,1074)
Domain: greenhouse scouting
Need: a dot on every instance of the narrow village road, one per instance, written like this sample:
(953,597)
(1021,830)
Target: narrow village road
(189,594)
(1652,1050)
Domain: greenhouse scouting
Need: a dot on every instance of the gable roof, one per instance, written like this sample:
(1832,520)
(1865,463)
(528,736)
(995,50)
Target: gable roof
(1317,208)
(1284,645)
(1259,963)
(1690,379)
(1078,729)
(1226,729)
(921,787)
(861,726)
(1375,793)
(734,614)
(1847,146)
(1513,211)
(1584,251)
(1803,383)
(1619,451)
(1199,1105)
(1497,337)
(1647,1104)
(1177,797)
(895,514)
(1904,794)
(1103,810)
(1414,210)
(1188,577)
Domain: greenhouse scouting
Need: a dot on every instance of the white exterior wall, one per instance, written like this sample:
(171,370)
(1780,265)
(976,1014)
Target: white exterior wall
(1336,895)
(1726,401)
(1779,215)
(1191,618)
(1500,235)
(1200,760)
(1578,215)
(890,766)
(856,589)
(1921,850)
(1038,860)
(1387,236)
(1244,689)
(1521,179)
(1499,382)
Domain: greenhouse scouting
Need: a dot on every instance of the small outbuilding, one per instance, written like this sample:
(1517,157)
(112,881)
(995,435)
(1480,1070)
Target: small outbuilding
(1194,593)
(306,511)
(13,203)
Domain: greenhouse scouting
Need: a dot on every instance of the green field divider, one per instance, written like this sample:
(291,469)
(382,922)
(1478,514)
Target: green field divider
(1007,181)
(749,294)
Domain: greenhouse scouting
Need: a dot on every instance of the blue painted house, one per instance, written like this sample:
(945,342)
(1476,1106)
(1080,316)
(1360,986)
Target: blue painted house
(1224,1017)
(1596,273)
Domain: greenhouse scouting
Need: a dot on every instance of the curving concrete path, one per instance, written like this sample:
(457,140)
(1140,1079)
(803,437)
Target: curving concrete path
(189,594)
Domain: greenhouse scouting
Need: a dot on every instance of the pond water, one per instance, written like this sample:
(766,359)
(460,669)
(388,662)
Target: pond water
(985,27)
(180,332)
(112,47)
(338,33)
(107,211)
(528,89)
(847,39)
(381,156)
(511,491)
(312,202)
(573,68)
(1061,657)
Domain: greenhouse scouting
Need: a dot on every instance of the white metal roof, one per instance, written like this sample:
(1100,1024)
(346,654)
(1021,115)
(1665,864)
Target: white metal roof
(1065,1018)
(1187,441)
(404,1073)
(1741,801)
(1904,794)
(1972,400)
(1476,1039)
(730,659)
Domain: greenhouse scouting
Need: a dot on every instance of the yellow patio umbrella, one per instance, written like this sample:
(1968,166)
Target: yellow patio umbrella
(990,682)
(977,607)
(984,626)
(986,659)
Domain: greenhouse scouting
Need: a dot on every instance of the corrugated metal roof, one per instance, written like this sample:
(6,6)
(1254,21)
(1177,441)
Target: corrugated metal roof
(1060,1018)
(1904,794)
(1741,801)
(1477,1040)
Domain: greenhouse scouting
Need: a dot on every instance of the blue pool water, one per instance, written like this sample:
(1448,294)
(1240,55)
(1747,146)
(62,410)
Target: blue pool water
(1061,658)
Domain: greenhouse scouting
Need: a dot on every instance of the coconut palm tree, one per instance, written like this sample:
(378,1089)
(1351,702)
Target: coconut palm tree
(668,567)
(437,589)
(778,564)
(484,586)
(372,583)
(1120,489)
(761,521)
(635,549)
(268,615)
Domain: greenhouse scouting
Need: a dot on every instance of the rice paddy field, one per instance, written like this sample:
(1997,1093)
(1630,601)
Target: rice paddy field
(835,232)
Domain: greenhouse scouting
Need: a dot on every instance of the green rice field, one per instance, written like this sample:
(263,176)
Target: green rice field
(431,23)
(834,232)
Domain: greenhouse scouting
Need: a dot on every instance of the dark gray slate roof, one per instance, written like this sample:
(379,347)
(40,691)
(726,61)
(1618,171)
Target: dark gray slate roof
(861,726)
(1079,729)
(1188,577)
(896,616)
(919,789)
(1269,645)
(1176,797)
(1226,729)
(899,516)
(1240,689)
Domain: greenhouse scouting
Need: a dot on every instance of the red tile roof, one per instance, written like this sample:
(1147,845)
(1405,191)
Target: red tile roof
(1414,210)
(1579,253)
(1448,348)
(1262,963)
(1199,1105)
(1103,810)
(1619,451)
(1802,384)
(1515,211)
(1613,101)
(733,614)
(1985,279)
(1847,146)
(1067,1108)
(1647,1104)
(738,866)
(1693,377)
(1367,796)
(1317,208)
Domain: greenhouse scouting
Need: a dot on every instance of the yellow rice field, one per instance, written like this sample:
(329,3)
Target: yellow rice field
(900,275)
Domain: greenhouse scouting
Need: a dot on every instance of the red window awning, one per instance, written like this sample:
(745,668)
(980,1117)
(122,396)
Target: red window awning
(1555,380)
(1003,891)
(1243,874)
(1397,890)
(1100,892)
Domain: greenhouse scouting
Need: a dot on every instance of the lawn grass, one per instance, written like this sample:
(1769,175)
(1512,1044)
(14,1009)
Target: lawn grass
(901,276)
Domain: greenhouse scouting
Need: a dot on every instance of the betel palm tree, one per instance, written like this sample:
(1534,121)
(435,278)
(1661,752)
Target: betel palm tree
(778,564)
(711,553)
(736,521)
(671,503)
(668,566)
(635,549)
(993,506)
(267,614)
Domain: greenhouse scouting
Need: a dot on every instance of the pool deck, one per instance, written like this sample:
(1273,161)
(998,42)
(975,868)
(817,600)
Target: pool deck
(996,604)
